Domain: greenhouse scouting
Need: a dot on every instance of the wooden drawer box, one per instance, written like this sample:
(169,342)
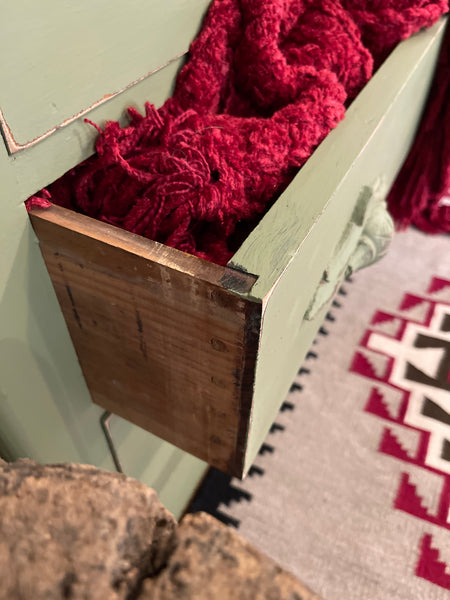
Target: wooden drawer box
(203,355)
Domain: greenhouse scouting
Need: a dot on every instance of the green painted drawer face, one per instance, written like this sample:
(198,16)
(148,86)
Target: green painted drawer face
(214,387)
(65,57)
(172,473)
(299,239)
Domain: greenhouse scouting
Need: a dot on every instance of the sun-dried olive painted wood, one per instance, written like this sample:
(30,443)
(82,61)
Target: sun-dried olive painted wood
(173,473)
(300,236)
(36,167)
(66,57)
(161,340)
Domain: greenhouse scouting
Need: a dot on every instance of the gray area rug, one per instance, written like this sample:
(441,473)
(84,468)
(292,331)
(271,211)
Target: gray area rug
(351,491)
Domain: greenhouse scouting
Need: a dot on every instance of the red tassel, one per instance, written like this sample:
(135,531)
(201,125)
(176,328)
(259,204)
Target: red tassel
(421,193)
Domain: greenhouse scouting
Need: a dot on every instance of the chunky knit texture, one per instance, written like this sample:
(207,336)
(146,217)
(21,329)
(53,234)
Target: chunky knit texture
(265,83)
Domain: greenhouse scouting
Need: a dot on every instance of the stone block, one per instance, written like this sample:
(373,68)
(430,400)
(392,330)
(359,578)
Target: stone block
(211,562)
(73,531)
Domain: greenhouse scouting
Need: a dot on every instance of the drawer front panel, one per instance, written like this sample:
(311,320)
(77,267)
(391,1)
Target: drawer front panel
(66,57)
(365,151)
(160,341)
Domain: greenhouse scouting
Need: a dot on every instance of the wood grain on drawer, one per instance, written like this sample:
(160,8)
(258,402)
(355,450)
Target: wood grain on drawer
(162,338)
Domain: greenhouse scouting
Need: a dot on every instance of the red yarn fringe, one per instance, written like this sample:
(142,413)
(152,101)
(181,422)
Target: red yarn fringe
(265,83)
(421,194)
(41,200)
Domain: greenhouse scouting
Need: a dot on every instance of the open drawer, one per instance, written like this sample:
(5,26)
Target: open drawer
(203,355)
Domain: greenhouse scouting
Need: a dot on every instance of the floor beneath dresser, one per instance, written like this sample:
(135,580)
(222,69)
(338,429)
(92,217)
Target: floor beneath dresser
(351,490)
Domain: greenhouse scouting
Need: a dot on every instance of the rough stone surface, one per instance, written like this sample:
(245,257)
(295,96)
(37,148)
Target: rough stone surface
(211,561)
(73,531)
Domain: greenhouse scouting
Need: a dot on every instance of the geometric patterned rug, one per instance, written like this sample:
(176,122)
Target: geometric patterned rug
(351,490)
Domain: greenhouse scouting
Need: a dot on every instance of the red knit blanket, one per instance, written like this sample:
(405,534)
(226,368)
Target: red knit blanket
(265,82)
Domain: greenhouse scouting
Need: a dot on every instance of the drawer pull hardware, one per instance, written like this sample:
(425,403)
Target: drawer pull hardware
(104,422)
(374,241)
(365,240)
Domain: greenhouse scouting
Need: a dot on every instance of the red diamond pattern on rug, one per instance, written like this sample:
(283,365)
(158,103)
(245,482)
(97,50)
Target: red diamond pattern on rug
(414,341)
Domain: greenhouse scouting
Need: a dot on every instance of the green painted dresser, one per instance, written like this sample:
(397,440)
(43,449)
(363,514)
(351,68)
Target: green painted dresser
(62,61)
